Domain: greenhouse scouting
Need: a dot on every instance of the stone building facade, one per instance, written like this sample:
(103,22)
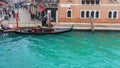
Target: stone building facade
(49,5)
(80,11)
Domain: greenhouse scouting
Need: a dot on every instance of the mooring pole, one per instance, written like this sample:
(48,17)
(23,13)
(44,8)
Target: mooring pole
(50,25)
(91,23)
(17,20)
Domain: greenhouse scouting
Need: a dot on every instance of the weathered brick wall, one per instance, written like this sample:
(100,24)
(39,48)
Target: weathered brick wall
(88,20)
(76,15)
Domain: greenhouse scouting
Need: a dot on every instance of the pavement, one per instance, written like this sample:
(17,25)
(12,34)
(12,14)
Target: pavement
(25,21)
(87,26)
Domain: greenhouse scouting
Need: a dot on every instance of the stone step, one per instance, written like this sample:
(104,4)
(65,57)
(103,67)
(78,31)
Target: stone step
(88,25)
(96,28)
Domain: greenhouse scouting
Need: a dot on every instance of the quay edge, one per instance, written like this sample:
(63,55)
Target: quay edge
(79,26)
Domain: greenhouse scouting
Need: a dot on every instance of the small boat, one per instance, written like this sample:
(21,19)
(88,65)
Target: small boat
(39,31)
(7,29)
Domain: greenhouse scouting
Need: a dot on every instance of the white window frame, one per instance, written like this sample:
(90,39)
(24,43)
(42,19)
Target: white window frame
(99,3)
(99,14)
(71,13)
(112,0)
(84,13)
(90,3)
(81,2)
(112,14)
(90,14)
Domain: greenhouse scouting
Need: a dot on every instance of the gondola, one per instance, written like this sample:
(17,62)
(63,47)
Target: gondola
(43,31)
(7,29)
(37,31)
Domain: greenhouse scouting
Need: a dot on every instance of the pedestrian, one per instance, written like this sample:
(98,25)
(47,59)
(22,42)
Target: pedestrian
(4,10)
(17,6)
(6,15)
(21,6)
(0,13)
(13,13)
(39,17)
(9,14)
(44,19)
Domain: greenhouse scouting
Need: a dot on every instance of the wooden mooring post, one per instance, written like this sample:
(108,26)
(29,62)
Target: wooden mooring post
(92,25)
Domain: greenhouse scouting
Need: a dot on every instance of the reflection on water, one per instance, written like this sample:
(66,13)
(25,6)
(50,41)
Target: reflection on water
(2,35)
(69,50)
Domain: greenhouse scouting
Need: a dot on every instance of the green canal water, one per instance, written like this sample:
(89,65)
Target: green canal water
(69,50)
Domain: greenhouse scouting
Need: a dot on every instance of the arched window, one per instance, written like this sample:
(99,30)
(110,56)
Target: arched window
(69,13)
(92,1)
(87,1)
(87,14)
(92,14)
(115,14)
(110,14)
(82,14)
(97,14)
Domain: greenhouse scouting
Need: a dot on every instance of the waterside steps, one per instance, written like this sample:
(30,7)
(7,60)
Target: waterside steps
(92,25)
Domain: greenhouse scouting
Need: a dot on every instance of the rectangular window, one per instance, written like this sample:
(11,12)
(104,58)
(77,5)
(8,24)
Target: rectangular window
(90,2)
(112,0)
(87,1)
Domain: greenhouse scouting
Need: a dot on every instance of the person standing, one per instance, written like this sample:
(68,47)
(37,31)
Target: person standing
(13,13)
(6,15)
(4,10)
(9,13)
(44,19)
(0,13)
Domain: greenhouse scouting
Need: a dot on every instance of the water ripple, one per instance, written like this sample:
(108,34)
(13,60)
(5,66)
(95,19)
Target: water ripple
(69,50)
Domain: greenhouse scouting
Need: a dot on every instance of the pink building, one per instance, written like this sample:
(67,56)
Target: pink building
(79,11)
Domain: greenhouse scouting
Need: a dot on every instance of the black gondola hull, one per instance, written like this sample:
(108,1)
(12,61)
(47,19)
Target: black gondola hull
(57,31)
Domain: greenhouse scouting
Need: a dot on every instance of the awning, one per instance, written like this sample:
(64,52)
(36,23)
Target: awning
(40,8)
(2,3)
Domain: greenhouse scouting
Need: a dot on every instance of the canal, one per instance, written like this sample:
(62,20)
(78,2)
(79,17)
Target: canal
(70,50)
